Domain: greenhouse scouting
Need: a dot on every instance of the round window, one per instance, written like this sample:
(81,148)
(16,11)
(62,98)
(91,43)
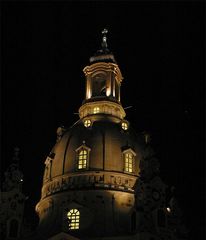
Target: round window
(87,123)
(124,125)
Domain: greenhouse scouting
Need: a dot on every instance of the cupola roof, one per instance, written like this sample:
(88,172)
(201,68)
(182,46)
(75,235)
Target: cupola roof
(103,54)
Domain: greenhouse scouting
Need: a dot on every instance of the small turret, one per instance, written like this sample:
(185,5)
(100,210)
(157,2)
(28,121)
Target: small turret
(12,201)
(13,176)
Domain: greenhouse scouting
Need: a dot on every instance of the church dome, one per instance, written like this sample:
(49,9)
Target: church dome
(91,171)
(90,162)
(106,142)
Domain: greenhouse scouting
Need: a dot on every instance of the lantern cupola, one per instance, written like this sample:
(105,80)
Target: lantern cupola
(103,82)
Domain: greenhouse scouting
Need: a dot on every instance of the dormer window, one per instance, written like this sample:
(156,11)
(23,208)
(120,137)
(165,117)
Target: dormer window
(96,110)
(129,161)
(82,157)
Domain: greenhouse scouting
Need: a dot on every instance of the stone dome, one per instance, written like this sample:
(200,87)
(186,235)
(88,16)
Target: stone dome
(91,186)
(105,178)
(106,141)
(91,171)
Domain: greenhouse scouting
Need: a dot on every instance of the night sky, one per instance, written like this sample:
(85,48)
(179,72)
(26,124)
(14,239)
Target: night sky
(159,49)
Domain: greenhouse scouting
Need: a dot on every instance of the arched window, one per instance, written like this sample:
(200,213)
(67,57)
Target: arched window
(13,228)
(74,218)
(98,84)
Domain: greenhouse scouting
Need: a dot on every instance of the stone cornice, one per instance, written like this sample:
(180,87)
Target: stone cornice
(105,107)
(90,179)
(102,66)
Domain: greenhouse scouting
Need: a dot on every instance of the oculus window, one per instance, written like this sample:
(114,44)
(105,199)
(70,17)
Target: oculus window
(124,126)
(73,217)
(87,123)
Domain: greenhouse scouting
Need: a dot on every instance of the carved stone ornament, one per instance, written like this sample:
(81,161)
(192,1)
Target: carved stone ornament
(150,195)
(13,178)
(100,180)
(60,132)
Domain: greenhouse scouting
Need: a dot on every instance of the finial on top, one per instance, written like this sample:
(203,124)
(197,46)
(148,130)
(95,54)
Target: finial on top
(104,38)
(103,54)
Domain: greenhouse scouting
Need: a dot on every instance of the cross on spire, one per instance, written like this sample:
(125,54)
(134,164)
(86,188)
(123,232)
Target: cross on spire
(104,38)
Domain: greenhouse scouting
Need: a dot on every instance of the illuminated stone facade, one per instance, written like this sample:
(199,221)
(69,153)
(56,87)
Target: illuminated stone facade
(98,182)
(101,177)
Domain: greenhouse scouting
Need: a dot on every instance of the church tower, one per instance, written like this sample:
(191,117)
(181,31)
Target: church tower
(101,177)
(12,202)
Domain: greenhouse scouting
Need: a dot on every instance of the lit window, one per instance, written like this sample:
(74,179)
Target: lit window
(128,162)
(96,110)
(124,126)
(87,123)
(73,217)
(82,159)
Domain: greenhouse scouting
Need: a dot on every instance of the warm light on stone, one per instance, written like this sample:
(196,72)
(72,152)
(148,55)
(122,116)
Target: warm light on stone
(87,123)
(96,110)
(82,159)
(91,171)
(74,218)
(124,126)
(108,108)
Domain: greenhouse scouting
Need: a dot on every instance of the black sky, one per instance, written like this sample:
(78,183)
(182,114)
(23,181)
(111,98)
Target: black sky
(159,49)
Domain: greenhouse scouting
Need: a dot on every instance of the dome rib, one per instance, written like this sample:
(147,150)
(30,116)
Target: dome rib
(65,152)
